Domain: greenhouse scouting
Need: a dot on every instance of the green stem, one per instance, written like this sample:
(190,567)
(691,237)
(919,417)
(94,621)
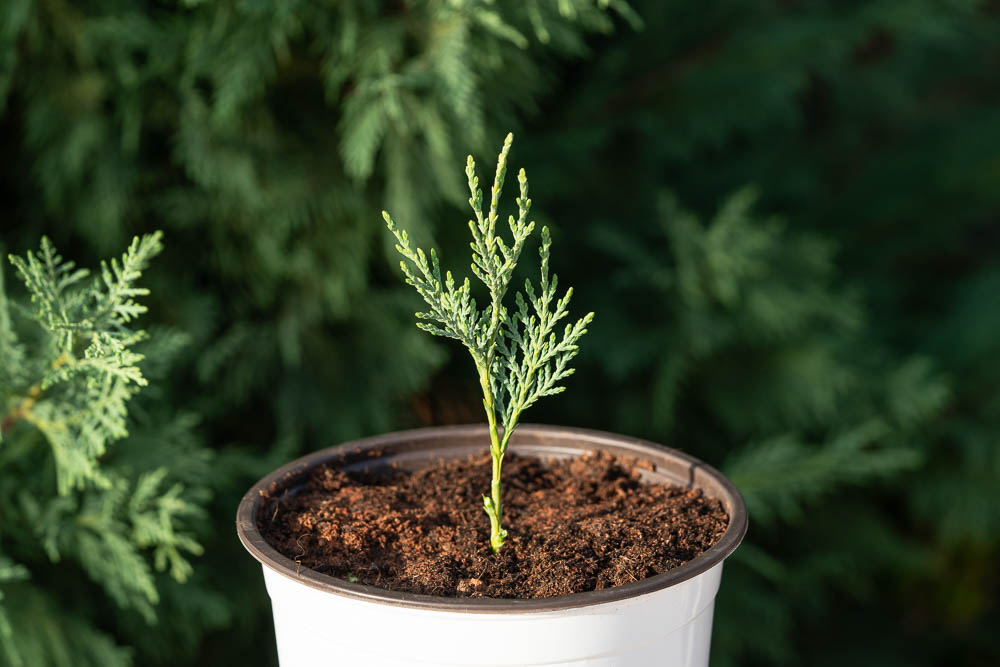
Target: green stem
(493,503)
(497,533)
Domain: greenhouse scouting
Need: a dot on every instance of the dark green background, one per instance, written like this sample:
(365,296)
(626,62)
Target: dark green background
(786,216)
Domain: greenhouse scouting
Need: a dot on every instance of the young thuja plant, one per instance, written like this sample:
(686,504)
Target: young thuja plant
(518,353)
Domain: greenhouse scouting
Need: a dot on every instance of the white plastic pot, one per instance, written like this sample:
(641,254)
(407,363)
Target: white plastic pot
(664,620)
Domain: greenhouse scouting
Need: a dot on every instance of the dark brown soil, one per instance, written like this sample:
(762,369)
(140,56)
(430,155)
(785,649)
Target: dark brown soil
(573,525)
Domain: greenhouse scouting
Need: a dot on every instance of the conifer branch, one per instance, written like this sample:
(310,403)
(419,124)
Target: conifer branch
(119,515)
(78,399)
(518,355)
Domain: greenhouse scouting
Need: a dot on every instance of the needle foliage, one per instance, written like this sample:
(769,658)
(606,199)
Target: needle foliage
(83,527)
(519,354)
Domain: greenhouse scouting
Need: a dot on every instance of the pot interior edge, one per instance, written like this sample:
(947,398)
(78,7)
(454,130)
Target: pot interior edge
(419,452)
(680,473)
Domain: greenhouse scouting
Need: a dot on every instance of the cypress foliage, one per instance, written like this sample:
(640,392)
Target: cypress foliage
(784,213)
(87,523)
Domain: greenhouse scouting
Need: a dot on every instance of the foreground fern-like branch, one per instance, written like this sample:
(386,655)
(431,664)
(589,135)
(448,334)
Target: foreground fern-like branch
(79,401)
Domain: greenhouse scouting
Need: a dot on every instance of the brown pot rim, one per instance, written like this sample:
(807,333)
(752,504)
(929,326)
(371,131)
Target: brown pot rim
(529,439)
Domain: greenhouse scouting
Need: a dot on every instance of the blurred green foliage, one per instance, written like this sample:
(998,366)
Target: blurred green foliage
(88,523)
(786,215)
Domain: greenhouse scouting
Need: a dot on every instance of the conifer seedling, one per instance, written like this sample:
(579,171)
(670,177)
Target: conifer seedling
(519,355)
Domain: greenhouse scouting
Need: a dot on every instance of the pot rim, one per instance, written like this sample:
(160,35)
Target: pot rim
(579,439)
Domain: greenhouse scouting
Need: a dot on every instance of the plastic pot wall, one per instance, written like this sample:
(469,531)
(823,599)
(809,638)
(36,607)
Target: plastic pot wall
(662,620)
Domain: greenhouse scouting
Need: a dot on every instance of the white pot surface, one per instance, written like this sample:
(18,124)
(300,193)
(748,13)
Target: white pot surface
(670,627)
(664,620)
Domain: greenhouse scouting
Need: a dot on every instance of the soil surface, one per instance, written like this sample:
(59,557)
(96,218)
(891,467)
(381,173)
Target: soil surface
(573,525)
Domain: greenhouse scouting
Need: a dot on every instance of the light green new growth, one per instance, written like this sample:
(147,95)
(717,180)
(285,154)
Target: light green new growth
(518,354)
